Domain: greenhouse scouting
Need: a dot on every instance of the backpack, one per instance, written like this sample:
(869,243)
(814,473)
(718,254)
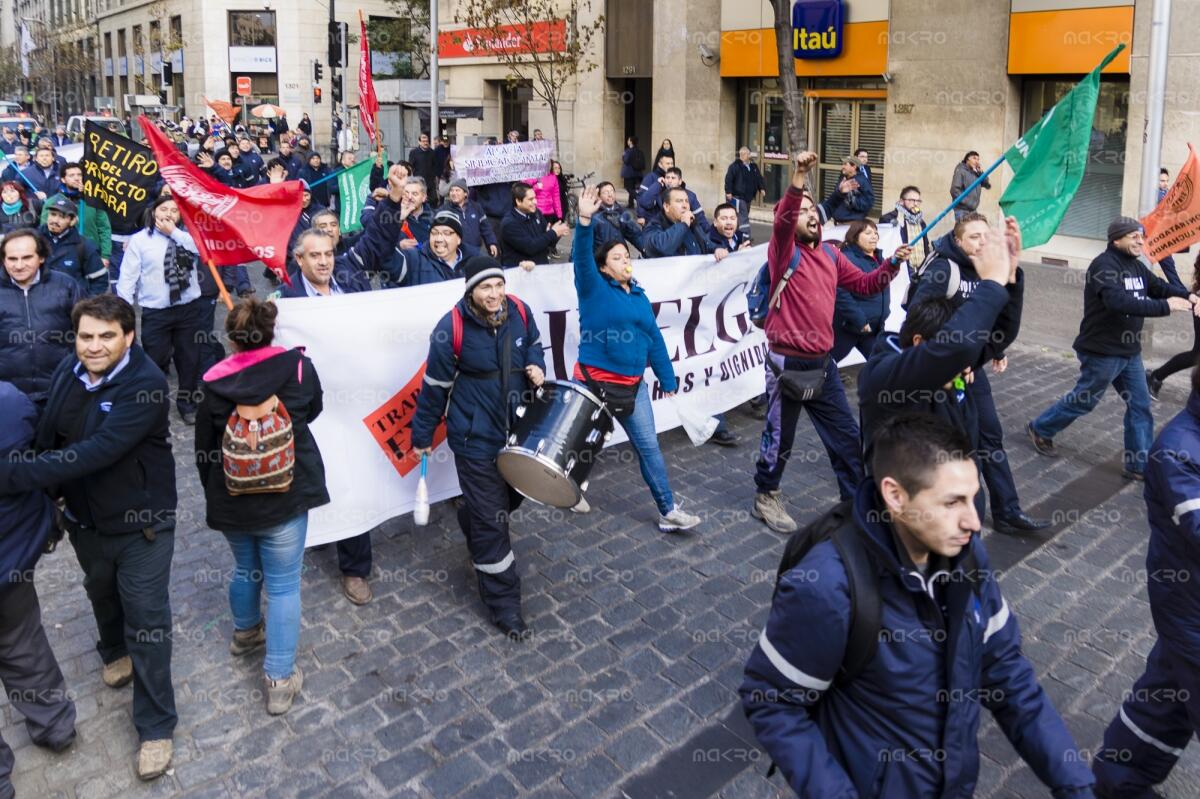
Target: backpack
(258,449)
(456,324)
(915,276)
(760,299)
(866,606)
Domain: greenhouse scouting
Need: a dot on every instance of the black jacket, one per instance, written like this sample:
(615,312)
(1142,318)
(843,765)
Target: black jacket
(122,465)
(1119,293)
(249,378)
(79,258)
(35,329)
(935,282)
(25,518)
(897,379)
(525,238)
(425,165)
(743,181)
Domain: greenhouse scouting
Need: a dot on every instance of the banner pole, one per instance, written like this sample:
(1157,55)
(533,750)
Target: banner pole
(330,176)
(225,298)
(21,175)
(959,199)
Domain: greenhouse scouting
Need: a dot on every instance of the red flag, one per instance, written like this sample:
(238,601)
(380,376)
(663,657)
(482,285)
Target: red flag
(230,226)
(1174,224)
(368,106)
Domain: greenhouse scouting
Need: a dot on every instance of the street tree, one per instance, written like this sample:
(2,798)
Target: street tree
(793,101)
(517,35)
(404,39)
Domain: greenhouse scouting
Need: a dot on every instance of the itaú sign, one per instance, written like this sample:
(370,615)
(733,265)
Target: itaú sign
(817,28)
(540,37)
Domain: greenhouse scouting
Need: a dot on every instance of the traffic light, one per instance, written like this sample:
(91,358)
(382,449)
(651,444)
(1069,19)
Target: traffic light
(162,96)
(337,89)
(335,44)
(318,72)
(316,95)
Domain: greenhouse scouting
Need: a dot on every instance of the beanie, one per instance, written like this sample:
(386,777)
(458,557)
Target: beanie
(447,218)
(479,268)
(458,183)
(1122,226)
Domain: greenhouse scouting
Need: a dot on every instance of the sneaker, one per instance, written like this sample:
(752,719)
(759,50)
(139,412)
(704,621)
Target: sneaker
(153,759)
(281,693)
(581,506)
(119,673)
(769,507)
(1043,445)
(724,438)
(677,520)
(1154,384)
(246,641)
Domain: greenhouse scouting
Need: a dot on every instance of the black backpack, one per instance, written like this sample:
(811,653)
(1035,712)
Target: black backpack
(866,606)
(916,274)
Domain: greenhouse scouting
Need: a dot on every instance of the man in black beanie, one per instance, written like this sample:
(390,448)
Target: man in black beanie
(1119,293)
(465,355)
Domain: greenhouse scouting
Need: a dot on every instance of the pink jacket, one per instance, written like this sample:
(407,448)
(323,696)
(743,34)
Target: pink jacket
(548,199)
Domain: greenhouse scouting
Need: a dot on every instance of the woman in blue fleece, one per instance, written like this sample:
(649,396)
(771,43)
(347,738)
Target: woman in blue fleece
(618,335)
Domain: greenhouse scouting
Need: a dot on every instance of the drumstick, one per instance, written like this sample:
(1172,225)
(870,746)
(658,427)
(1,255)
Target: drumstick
(421,507)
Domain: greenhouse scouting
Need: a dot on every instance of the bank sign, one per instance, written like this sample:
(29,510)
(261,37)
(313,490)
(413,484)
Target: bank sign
(817,28)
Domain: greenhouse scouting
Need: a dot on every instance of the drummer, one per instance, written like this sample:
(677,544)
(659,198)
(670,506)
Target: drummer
(618,336)
(478,417)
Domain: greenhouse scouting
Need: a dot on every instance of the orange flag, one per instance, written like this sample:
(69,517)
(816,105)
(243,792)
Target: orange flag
(1175,223)
(223,109)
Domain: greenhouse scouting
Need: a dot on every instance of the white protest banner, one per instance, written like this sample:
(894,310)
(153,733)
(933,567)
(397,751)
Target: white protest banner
(369,350)
(480,164)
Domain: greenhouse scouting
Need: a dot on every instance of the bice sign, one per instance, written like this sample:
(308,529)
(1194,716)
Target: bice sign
(817,28)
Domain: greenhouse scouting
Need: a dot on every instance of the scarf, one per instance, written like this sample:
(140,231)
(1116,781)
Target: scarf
(177,269)
(11,209)
(913,223)
(917,219)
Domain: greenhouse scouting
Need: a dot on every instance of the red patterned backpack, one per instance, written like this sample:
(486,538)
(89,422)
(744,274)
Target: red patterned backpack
(258,449)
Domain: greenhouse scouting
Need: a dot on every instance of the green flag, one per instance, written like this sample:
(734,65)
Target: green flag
(1049,160)
(354,184)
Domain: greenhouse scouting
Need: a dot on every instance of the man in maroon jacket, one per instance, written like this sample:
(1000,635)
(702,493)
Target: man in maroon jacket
(800,334)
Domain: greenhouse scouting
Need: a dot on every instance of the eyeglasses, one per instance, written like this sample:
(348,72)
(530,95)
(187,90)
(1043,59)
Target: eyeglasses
(911,200)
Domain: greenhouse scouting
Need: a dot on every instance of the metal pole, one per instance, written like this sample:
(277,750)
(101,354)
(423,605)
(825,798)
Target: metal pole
(1160,32)
(434,111)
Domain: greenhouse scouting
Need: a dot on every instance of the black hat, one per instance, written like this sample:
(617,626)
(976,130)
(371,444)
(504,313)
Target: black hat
(447,218)
(1122,226)
(479,268)
(64,206)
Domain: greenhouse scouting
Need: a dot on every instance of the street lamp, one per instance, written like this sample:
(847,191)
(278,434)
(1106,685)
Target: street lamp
(53,67)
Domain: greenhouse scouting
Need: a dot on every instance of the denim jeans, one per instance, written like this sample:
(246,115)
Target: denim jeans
(272,556)
(639,426)
(1096,373)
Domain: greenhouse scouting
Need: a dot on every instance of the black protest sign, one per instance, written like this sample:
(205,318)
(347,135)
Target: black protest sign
(119,176)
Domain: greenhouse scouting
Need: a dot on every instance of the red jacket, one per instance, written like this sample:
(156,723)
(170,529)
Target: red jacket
(802,326)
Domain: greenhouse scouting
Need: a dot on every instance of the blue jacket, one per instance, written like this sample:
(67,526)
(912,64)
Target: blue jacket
(1119,292)
(478,416)
(419,266)
(371,252)
(717,240)
(121,474)
(935,283)
(649,203)
(1172,487)
(43,180)
(663,238)
(477,231)
(35,329)
(617,328)
(420,224)
(26,517)
(525,238)
(633,164)
(908,725)
(494,198)
(614,223)
(292,164)
(852,311)
(852,205)
(78,257)
(320,193)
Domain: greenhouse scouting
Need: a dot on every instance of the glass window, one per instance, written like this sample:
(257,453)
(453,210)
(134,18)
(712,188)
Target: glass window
(251,28)
(1098,200)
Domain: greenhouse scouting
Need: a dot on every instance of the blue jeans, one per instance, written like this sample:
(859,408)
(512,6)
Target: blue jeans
(273,556)
(1096,373)
(639,426)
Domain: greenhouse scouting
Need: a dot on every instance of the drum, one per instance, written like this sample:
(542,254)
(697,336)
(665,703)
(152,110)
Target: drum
(557,438)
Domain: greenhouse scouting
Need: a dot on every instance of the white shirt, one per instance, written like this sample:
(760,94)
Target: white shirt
(142,276)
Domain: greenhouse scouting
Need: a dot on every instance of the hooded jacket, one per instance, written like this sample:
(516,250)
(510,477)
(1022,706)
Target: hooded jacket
(35,329)
(935,282)
(26,517)
(1119,293)
(803,325)
(614,223)
(908,725)
(249,378)
(78,258)
(120,472)
(476,230)
(478,415)
(93,223)
(964,176)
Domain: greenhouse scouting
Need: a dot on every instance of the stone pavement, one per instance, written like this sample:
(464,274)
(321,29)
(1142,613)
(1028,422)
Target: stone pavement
(629,686)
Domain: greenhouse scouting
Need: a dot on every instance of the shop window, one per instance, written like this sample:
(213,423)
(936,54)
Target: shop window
(1098,200)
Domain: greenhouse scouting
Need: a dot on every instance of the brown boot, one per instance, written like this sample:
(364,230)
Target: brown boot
(356,589)
(246,641)
(281,693)
(154,758)
(119,673)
